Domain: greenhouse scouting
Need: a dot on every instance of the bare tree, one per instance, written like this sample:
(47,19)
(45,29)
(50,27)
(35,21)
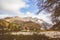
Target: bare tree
(54,5)
(50,6)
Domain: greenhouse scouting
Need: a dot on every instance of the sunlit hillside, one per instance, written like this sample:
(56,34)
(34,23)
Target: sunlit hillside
(19,24)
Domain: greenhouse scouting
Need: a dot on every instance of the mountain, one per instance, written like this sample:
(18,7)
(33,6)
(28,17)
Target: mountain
(26,23)
(25,19)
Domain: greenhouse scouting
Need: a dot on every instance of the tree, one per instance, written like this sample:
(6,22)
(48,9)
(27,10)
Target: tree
(51,6)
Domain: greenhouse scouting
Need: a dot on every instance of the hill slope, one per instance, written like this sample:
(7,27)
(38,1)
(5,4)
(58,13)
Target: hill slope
(19,24)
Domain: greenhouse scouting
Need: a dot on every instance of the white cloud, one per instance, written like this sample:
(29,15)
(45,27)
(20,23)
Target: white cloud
(29,14)
(12,5)
(2,16)
(45,16)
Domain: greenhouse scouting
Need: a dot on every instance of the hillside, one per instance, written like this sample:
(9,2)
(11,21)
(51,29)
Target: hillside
(20,24)
(56,27)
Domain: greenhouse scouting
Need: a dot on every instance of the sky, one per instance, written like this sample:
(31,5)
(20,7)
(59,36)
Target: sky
(22,8)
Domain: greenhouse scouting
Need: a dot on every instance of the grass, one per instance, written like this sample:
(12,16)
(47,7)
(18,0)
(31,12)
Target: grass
(26,37)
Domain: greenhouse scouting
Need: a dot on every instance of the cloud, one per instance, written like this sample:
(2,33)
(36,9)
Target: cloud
(45,16)
(12,8)
(29,14)
(2,16)
(12,5)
